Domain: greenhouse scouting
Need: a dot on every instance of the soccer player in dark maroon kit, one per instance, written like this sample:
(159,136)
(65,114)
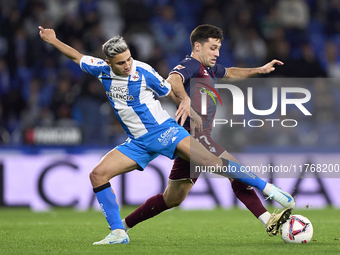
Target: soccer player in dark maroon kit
(201,65)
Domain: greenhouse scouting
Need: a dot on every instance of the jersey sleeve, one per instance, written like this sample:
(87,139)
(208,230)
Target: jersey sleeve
(92,65)
(219,70)
(187,70)
(157,83)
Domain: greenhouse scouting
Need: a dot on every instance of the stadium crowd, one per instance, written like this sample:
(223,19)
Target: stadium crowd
(40,87)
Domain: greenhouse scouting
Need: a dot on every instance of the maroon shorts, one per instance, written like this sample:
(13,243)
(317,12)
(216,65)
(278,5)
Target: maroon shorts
(181,168)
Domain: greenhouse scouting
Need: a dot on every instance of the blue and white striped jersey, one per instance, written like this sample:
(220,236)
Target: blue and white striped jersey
(132,97)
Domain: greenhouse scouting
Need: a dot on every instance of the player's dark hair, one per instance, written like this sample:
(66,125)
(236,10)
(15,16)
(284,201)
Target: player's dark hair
(114,46)
(202,33)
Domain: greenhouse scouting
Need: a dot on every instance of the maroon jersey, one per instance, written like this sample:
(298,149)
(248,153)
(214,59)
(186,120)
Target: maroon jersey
(197,80)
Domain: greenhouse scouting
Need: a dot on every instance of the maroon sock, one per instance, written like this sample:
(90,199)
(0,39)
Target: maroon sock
(153,206)
(248,197)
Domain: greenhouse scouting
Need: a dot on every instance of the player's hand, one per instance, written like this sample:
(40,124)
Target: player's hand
(195,123)
(48,35)
(183,110)
(269,67)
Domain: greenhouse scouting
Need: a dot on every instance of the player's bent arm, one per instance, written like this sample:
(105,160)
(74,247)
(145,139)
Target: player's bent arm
(236,72)
(195,118)
(177,86)
(174,98)
(48,35)
(179,92)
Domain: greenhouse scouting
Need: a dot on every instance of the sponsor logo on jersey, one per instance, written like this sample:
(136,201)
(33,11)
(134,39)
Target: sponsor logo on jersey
(204,92)
(208,90)
(179,67)
(212,93)
(119,93)
(119,96)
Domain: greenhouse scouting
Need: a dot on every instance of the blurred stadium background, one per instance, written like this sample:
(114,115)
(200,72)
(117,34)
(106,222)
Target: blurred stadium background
(56,123)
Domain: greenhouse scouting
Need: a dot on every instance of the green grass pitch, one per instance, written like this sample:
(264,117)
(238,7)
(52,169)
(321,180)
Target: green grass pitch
(219,231)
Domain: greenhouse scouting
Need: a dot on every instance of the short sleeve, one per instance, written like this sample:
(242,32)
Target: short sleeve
(92,65)
(186,70)
(157,83)
(219,71)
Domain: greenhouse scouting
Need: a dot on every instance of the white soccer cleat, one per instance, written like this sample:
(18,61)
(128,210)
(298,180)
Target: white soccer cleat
(282,197)
(117,236)
(276,220)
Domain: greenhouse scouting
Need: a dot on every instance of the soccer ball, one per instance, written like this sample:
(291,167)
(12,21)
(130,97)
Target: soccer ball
(297,229)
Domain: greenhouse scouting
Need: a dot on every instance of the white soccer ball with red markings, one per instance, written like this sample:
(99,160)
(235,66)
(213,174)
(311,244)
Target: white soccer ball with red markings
(297,229)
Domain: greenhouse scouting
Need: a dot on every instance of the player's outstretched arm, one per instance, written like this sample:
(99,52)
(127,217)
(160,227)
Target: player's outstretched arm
(48,35)
(235,72)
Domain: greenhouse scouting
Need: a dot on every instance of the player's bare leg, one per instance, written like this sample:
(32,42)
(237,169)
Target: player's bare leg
(176,192)
(191,150)
(112,164)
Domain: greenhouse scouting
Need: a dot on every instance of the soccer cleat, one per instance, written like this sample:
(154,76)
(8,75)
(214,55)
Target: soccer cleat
(117,236)
(276,220)
(282,197)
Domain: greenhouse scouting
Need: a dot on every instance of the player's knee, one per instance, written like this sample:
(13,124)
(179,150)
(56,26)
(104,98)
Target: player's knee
(173,202)
(96,177)
(93,177)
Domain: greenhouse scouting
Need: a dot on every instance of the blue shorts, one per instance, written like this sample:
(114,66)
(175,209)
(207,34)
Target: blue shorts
(158,141)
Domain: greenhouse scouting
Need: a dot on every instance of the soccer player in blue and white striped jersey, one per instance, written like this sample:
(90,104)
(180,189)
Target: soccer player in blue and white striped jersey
(130,86)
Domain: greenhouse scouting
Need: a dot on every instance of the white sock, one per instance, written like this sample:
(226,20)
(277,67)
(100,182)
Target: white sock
(267,189)
(120,232)
(125,226)
(264,217)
